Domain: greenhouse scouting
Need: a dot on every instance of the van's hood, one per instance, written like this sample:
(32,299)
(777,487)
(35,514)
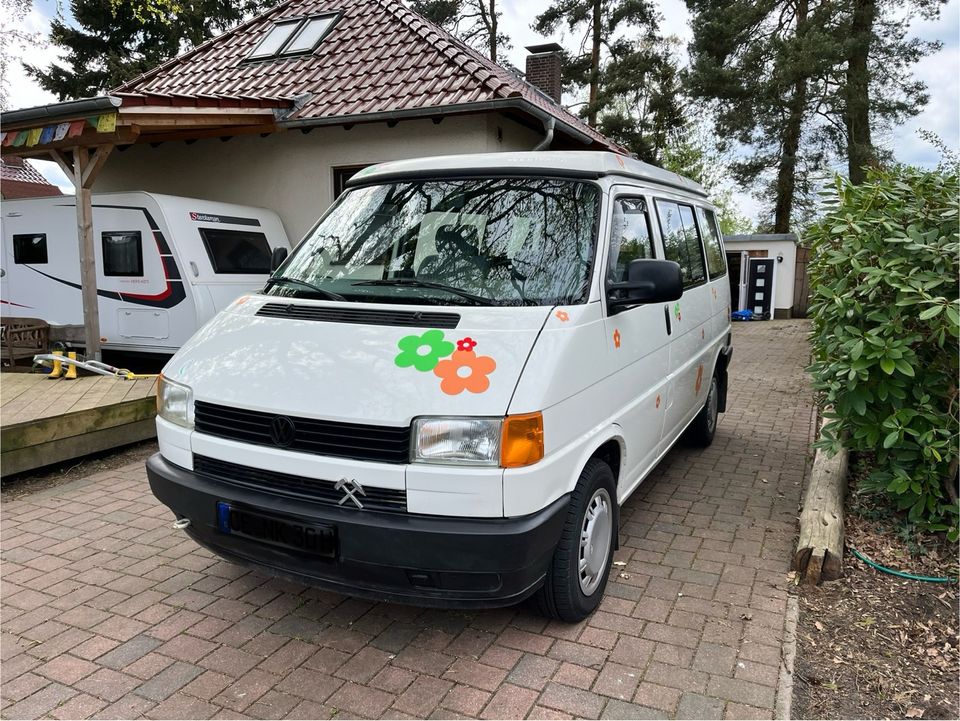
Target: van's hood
(359,372)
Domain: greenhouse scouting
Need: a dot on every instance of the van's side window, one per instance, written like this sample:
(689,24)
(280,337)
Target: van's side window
(681,241)
(716,263)
(630,236)
(30,248)
(122,252)
(236,251)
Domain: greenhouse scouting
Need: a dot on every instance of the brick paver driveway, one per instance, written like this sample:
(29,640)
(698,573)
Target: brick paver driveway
(107,612)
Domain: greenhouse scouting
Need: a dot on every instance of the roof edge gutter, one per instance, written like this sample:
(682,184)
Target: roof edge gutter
(60,111)
(521,104)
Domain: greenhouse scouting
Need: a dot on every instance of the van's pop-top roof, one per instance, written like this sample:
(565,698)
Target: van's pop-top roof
(574,163)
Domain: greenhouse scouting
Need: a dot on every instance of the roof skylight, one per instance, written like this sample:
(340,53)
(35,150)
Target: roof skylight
(293,37)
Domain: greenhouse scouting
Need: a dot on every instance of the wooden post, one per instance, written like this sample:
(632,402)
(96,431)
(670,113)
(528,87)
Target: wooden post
(84,171)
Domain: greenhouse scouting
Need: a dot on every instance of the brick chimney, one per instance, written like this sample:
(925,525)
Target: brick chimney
(543,68)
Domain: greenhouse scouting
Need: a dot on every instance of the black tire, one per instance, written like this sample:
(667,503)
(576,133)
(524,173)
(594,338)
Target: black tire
(562,595)
(704,427)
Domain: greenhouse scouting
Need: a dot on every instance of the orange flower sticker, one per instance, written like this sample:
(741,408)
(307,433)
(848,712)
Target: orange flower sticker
(465,371)
(616,338)
(562,316)
(658,400)
(699,377)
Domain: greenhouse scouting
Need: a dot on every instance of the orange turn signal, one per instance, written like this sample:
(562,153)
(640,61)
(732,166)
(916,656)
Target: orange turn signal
(522,441)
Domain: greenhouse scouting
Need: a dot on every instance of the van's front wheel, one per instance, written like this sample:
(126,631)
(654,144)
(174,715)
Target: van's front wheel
(581,562)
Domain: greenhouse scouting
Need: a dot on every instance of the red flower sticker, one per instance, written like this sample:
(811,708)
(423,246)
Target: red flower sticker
(467,343)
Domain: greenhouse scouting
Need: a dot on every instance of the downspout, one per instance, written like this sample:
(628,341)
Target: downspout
(549,124)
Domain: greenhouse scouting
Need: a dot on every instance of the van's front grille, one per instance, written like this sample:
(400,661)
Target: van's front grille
(364,316)
(284,484)
(382,444)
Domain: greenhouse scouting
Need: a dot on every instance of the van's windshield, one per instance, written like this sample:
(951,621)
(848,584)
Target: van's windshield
(487,241)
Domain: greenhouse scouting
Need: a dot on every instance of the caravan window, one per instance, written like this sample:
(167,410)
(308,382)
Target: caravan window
(122,252)
(30,248)
(236,251)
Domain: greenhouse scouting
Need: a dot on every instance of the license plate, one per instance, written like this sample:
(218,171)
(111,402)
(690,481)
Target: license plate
(319,540)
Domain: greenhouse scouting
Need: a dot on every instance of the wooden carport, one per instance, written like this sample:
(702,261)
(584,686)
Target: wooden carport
(80,135)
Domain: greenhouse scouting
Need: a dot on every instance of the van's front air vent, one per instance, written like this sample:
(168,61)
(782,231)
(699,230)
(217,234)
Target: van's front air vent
(362,316)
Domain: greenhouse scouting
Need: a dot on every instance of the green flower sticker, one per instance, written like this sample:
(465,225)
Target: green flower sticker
(423,352)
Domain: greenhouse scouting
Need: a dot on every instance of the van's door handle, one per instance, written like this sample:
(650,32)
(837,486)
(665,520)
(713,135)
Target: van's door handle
(666,317)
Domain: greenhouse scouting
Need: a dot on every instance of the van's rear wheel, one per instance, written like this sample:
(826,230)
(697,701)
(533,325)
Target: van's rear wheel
(581,562)
(704,426)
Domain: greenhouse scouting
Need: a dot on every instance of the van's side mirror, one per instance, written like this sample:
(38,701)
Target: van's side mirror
(648,281)
(277,257)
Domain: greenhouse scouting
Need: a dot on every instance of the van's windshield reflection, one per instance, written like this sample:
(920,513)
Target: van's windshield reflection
(488,241)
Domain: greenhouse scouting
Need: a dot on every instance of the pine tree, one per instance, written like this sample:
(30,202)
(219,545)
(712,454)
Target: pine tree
(114,41)
(762,65)
(634,93)
(476,22)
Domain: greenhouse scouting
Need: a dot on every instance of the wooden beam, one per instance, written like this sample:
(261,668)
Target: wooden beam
(99,158)
(88,258)
(186,134)
(90,138)
(65,163)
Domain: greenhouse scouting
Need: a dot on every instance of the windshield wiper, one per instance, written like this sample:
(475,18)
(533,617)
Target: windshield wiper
(296,281)
(414,283)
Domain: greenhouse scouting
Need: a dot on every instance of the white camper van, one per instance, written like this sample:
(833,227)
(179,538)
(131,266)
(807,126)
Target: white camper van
(448,389)
(165,264)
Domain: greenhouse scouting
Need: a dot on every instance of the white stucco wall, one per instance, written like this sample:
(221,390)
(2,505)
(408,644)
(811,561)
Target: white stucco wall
(785,271)
(292,172)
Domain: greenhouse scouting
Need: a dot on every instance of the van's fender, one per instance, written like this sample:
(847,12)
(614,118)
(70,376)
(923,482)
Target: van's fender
(530,489)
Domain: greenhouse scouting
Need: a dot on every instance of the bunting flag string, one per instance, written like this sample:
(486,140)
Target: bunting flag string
(106,123)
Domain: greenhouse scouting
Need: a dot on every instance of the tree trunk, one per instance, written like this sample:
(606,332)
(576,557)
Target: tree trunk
(595,65)
(493,30)
(786,174)
(860,150)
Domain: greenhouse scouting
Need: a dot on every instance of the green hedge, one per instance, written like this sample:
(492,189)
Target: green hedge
(886,321)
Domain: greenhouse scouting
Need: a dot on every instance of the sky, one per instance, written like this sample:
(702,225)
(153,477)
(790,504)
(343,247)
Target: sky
(940,71)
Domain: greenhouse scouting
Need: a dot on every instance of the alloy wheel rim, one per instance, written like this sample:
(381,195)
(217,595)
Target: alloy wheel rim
(594,541)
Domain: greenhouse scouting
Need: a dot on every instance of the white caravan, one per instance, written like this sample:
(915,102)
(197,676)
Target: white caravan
(165,264)
(448,389)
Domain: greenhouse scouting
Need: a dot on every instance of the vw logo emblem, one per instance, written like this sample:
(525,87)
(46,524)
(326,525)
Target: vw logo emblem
(282,431)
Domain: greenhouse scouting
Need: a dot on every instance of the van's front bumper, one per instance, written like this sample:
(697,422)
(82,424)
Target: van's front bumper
(426,560)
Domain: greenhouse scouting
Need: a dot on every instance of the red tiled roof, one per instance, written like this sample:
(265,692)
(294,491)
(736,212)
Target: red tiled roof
(19,179)
(379,57)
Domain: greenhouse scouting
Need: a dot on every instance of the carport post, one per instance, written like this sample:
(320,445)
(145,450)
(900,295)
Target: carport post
(85,170)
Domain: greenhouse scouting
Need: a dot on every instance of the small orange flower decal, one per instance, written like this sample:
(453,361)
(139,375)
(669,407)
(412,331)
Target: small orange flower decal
(562,316)
(616,338)
(699,377)
(465,371)
(658,400)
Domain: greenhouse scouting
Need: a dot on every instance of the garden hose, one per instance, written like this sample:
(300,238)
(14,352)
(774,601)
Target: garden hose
(901,574)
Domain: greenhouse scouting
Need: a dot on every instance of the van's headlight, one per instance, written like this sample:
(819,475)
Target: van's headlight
(461,441)
(511,442)
(175,402)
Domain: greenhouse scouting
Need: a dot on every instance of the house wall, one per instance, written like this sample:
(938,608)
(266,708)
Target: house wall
(292,172)
(783,293)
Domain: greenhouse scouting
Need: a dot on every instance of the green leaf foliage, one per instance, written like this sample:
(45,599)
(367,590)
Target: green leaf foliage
(885,308)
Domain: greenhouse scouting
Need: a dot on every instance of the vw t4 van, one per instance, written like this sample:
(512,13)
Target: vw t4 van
(445,392)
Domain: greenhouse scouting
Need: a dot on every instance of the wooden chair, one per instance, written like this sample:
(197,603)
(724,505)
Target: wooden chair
(22,338)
